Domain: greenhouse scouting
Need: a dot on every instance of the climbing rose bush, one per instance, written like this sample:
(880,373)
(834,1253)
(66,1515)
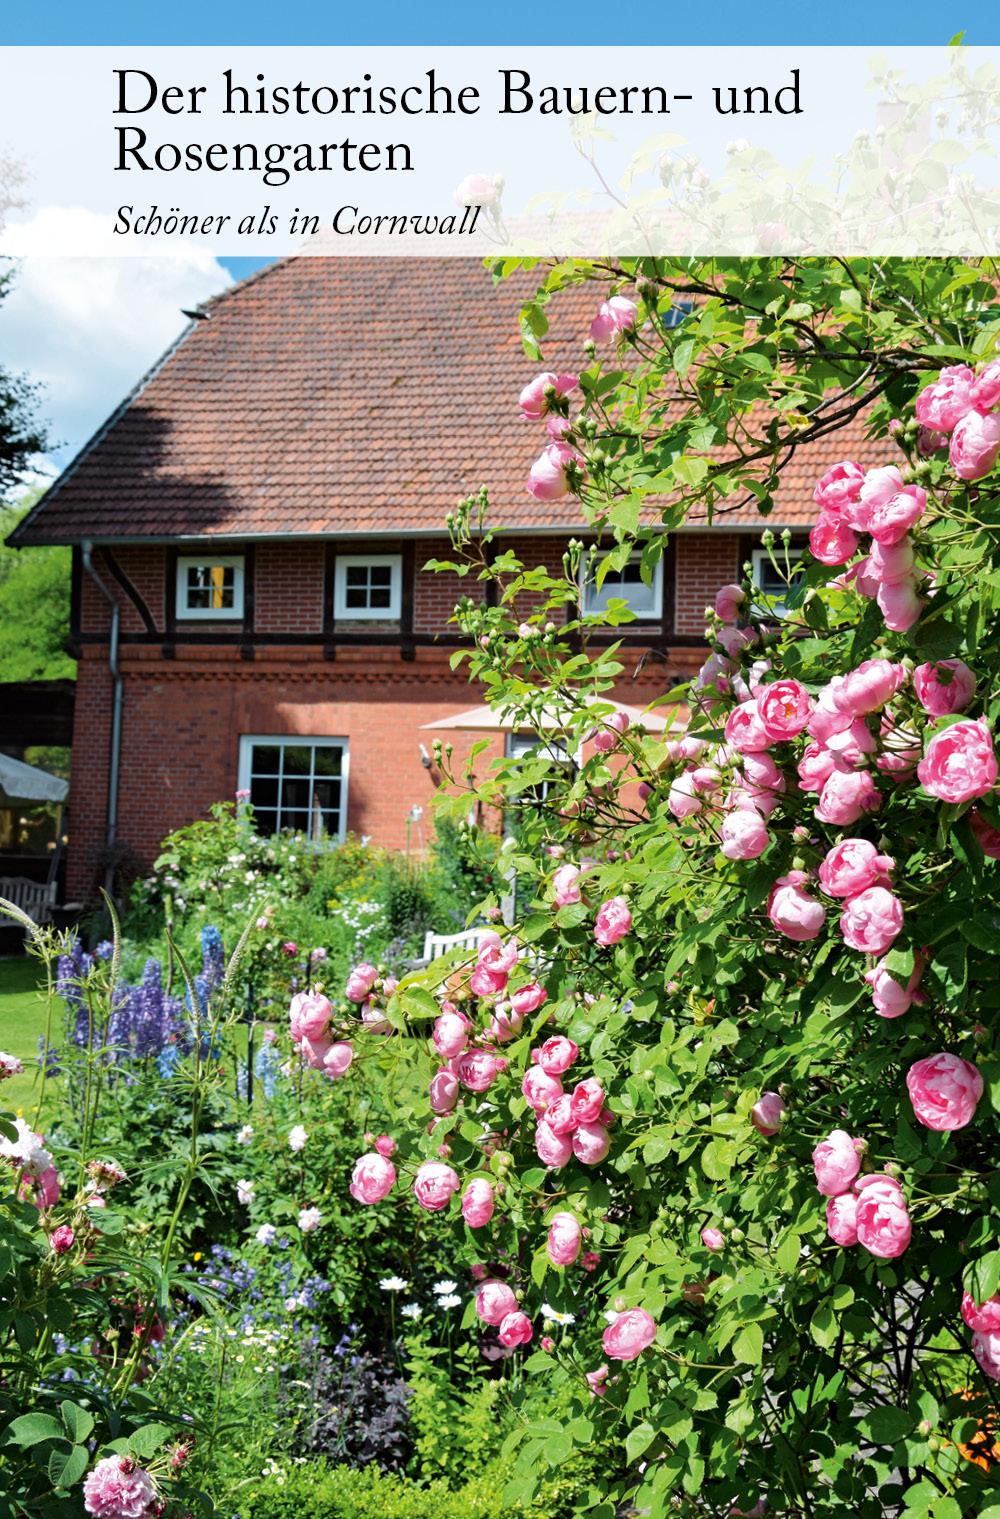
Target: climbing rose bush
(726,1091)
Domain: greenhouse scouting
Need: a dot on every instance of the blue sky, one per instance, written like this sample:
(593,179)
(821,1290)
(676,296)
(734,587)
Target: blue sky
(400,21)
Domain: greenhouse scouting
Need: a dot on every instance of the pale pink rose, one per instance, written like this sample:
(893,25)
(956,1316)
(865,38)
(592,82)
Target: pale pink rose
(494,1301)
(564,1239)
(880,486)
(552,1149)
(617,314)
(631,1333)
(559,1115)
(883,1222)
(528,999)
(547,477)
(587,1101)
(540,1088)
(117,1488)
(846,796)
(515,1329)
(743,835)
(892,561)
(729,599)
(735,640)
(591,1143)
(479,190)
(309,1013)
(505,1024)
(485,982)
(761,770)
(868,687)
(985,392)
(713,1239)
(443,1091)
(959,762)
(497,954)
(899,604)
(785,708)
(840,486)
(477,1070)
(793,911)
(614,920)
(451,1034)
(434,1184)
(831,541)
(360,982)
(373,1178)
(944,687)
(683,800)
(871,920)
(375,1021)
(337,1060)
(890,999)
(534,402)
(565,885)
(556,1056)
(864,578)
(826,718)
(944,1091)
(851,867)
(768,1114)
(942,404)
(62,1240)
(385,1145)
(986,1349)
(836,1163)
(558,428)
(597,1380)
(983,1317)
(745,729)
(892,514)
(477,1202)
(850,747)
(975,445)
(987,837)
(315,1051)
(842,1218)
(815,767)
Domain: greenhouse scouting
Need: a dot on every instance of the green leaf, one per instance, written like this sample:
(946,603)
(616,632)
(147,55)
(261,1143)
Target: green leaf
(638,1439)
(887,1425)
(66,1467)
(748,1345)
(77,1420)
(147,1440)
(30,1429)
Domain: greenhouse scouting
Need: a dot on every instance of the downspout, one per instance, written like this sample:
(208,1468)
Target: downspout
(114,760)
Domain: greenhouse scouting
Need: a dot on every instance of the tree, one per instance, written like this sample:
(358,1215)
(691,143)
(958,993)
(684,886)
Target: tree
(22,439)
(34,606)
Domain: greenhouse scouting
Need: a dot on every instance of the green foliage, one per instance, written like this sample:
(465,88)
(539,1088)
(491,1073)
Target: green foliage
(22,439)
(34,605)
(341,1493)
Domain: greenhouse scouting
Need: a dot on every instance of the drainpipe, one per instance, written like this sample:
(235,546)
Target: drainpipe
(114,761)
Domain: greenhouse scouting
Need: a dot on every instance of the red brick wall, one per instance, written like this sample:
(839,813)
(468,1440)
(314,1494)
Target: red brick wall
(704,562)
(288,595)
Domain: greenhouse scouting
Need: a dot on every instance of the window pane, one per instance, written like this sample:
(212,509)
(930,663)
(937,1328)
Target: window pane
(380,597)
(211,587)
(266,821)
(265,759)
(381,574)
(327,760)
(297,759)
(356,597)
(264,793)
(357,574)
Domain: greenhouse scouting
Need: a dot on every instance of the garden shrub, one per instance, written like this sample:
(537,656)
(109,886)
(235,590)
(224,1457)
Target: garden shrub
(345,1493)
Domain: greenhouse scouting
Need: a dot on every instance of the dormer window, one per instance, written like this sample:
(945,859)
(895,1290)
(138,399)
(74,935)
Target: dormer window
(368,587)
(210,587)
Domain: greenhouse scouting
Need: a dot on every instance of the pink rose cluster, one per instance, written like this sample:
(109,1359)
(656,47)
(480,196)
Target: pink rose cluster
(497,1305)
(961,405)
(547,396)
(865,1210)
(364,985)
(984,1321)
(309,1018)
(117,1488)
(878,504)
(568,1123)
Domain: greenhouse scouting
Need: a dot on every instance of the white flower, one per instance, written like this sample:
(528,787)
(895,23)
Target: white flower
(309,1219)
(393,1284)
(548,1312)
(265,1234)
(245,1191)
(245,1135)
(450,1300)
(297,1138)
(26,1151)
(411,1310)
(444,1288)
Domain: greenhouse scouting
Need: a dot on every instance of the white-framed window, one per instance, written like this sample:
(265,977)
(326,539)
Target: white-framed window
(296,783)
(368,587)
(773,582)
(210,586)
(627,584)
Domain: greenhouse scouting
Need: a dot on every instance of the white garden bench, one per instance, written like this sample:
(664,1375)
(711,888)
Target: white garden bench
(36,898)
(436,945)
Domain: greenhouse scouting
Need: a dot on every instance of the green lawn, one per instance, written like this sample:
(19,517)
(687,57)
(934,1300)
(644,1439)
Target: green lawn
(22,1019)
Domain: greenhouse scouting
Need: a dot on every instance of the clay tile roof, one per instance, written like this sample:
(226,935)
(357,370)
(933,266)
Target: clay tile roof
(339,396)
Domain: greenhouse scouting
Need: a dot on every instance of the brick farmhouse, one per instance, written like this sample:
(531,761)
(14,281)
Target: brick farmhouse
(259,510)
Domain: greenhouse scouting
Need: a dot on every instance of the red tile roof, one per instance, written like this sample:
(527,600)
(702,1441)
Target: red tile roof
(339,396)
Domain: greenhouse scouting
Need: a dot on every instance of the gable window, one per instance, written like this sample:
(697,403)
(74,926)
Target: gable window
(627,584)
(368,587)
(772,582)
(296,783)
(210,587)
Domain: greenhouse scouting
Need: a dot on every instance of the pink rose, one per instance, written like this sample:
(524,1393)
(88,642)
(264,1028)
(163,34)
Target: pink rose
(631,1333)
(891,999)
(477,1202)
(373,1178)
(385,1145)
(565,885)
(62,1239)
(591,1142)
(868,687)
(899,604)
(987,837)
(434,1184)
(485,982)
(314,1051)
(944,1091)
(618,314)
(985,392)
(842,1218)
(528,999)
(851,867)
(871,920)
(942,404)
(479,190)
(729,600)
(494,1301)
(534,402)
(360,982)
(444,1091)
(767,1114)
(556,1056)
(846,796)
(743,835)
(836,1163)
(451,1034)
(944,687)
(540,1088)
(505,1024)
(840,486)
(337,1060)
(891,514)
(745,729)
(785,708)
(596,1380)
(515,1329)
(850,747)
(713,1239)
(793,911)
(552,1149)
(547,477)
(986,1349)
(309,1013)
(815,767)
(564,1239)
(613,921)
(892,561)
(587,1101)
(683,800)
(975,445)
(559,1115)
(477,1070)
(831,541)
(497,954)
(983,1317)
(959,762)
(116,1488)
(883,1223)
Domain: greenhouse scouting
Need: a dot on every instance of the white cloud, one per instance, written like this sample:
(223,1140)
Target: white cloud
(88,327)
